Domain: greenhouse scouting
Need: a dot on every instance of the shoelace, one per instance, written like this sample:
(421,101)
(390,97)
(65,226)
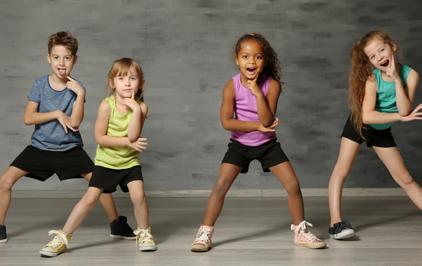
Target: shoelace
(342,225)
(203,236)
(143,236)
(302,228)
(59,238)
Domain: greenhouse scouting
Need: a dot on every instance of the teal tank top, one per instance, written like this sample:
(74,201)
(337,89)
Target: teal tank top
(386,94)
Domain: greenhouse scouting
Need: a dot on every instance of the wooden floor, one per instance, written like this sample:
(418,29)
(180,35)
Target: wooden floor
(250,231)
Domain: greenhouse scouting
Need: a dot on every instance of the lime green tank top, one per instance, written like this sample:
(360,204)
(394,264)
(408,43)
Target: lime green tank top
(117,157)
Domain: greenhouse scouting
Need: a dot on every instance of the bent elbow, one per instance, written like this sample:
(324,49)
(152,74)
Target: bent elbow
(27,121)
(132,138)
(405,113)
(365,118)
(75,125)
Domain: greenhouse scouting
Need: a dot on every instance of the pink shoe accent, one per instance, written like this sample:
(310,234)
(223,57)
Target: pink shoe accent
(202,242)
(303,237)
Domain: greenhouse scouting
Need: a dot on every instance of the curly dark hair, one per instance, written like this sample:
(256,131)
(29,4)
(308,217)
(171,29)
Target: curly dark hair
(272,64)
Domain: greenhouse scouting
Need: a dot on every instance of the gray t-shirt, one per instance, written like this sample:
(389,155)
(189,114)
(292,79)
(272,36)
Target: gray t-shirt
(51,135)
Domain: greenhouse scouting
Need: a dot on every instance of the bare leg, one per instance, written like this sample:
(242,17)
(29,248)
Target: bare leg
(7,180)
(106,201)
(140,204)
(228,173)
(394,162)
(287,176)
(346,156)
(81,210)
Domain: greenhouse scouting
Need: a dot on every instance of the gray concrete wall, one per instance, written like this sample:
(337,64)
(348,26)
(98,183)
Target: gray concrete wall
(185,48)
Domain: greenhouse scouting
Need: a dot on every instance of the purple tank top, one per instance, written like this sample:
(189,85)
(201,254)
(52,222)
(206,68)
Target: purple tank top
(245,109)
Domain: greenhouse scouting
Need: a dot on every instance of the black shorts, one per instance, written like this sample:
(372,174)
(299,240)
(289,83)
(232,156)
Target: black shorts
(107,179)
(268,154)
(373,137)
(41,164)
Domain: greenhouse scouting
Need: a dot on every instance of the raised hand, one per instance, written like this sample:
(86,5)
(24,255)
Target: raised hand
(271,128)
(252,85)
(391,69)
(140,144)
(74,86)
(64,120)
(131,103)
(416,114)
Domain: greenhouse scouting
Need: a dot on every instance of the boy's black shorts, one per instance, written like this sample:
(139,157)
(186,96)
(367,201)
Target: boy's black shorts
(41,164)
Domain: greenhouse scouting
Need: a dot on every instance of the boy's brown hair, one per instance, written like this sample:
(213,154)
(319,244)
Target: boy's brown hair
(64,38)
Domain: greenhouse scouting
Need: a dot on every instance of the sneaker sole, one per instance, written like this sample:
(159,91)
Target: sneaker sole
(48,254)
(3,240)
(345,234)
(200,249)
(123,237)
(316,246)
(146,249)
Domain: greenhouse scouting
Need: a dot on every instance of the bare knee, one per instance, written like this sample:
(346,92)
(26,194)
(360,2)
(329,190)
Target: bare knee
(138,198)
(292,187)
(90,199)
(340,171)
(407,181)
(6,184)
(221,188)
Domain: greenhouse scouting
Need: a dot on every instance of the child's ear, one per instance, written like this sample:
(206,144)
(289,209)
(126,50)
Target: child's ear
(110,83)
(394,46)
(48,58)
(75,58)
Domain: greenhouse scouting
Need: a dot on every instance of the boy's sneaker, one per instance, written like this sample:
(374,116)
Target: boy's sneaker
(3,234)
(119,228)
(341,230)
(57,245)
(303,237)
(145,240)
(202,242)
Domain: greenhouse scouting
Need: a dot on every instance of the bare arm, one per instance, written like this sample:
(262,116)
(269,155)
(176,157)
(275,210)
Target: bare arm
(369,114)
(227,110)
(33,117)
(267,106)
(411,84)
(78,106)
(101,125)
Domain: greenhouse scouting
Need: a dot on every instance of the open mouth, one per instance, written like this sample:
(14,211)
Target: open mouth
(251,69)
(62,71)
(385,63)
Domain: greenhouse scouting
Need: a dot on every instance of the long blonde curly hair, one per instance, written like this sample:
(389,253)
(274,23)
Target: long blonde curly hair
(359,74)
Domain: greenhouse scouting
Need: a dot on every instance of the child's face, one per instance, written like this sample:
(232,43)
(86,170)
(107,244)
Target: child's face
(61,61)
(250,59)
(124,86)
(379,53)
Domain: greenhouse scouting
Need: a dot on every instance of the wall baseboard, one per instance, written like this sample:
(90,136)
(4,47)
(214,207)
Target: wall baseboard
(239,193)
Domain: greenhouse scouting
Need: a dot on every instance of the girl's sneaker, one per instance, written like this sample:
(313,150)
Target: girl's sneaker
(145,240)
(341,230)
(57,245)
(202,242)
(3,234)
(303,237)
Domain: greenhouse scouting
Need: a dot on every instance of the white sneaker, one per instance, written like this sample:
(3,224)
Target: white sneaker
(145,240)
